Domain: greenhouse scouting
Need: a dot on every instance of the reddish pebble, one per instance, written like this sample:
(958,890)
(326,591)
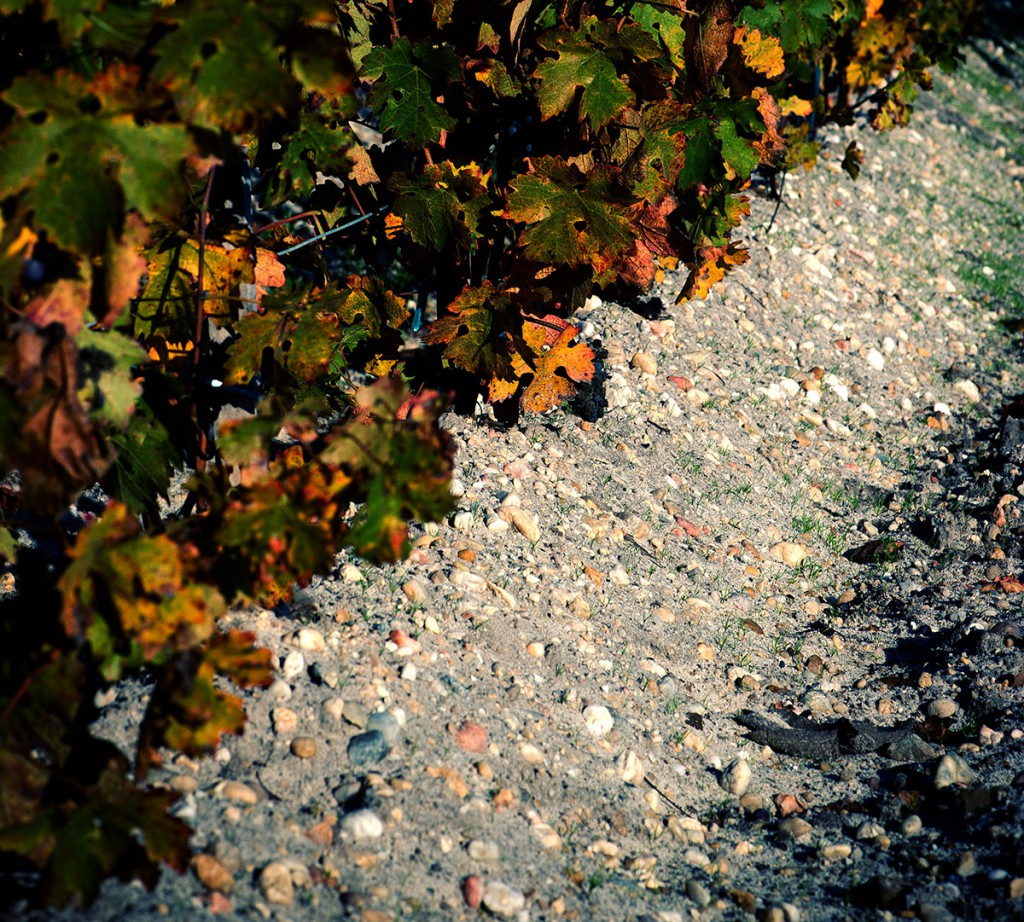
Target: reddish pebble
(787,804)
(219,905)
(473,890)
(471,737)
(684,384)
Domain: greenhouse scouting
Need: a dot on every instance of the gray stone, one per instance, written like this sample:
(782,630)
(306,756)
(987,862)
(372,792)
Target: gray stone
(952,770)
(367,748)
(697,892)
(386,724)
(912,749)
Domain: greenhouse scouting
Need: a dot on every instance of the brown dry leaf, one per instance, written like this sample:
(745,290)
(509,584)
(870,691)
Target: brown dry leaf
(1004,584)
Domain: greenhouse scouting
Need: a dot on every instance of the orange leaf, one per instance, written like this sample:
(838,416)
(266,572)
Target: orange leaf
(761,53)
(557,364)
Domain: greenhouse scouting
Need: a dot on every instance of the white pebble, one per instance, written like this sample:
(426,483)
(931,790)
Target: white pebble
(875,359)
(598,719)
(294,665)
(362,825)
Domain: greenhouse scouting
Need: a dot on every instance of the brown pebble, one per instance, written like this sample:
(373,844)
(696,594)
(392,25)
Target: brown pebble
(471,737)
(212,874)
(473,890)
(468,555)
(304,747)
(484,770)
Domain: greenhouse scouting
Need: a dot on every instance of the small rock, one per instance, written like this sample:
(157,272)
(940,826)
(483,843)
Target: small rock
(362,825)
(236,791)
(471,737)
(837,852)
(387,725)
(644,362)
(354,713)
(303,747)
(966,864)
(280,690)
(308,639)
(817,702)
(736,777)
(501,899)
(212,874)
(598,719)
(531,754)
(415,592)
(952,770)
(875,359)
(869,830)
(293,666)
(473,890)
(285,721)
(969,389)
(522,521)
(912,825)
(795,828)
(368,748)
(789,553)
(912,749)
(276,884)
(696,858)
(484,851)
(632,768)
(697,892)
(942,708)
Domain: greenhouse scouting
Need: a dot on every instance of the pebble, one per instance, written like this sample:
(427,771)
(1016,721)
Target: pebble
(522,521)
(280,690)
(598,719)
(212,873)
(484,851)
(817,702)
(696,858)
(303,747)
(531,754)
(942,708)
(875,359)
(362,825)
(501,899)
(697,892)
(355,714)
(795,828)
(969,389)
(368,748)
(415,592)
(644,362)
(952,770)
(789,553)
(837,851)
(471,737)
(736,777)
(912,825)
(236,791)
(285,721)
(308,639)
(387,725)
(912,749)
(473,890)
(276,884)
(294,665)
(870,830)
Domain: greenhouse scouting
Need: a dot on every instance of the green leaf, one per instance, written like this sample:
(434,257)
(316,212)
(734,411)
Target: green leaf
(8,545)
(703,153)
(442,208)
(80,159)
(581,64)
(573,218)
(802,26)
(667,27)
(477,329)
(146,461)
(109,387)
(318,145)
(403,90)
(738,152)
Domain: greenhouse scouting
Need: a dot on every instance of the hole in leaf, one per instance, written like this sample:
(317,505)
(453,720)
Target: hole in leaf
(208,50)
(90,105)
(52,158)
(580,225)
(38,118)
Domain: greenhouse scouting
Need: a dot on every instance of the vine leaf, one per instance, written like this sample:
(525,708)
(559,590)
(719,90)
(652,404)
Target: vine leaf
(709,268)
(761,53)
(573,217)
(124,267)
(146,461)
(476,329)
(442,208)
(402,91)
(108,383)
(556,364)
(707,45)
(799,24)
(667,26)
(65,302)
(654,237)
(580,64)
(187,712)
(127,595)
(78,157)
(58,449)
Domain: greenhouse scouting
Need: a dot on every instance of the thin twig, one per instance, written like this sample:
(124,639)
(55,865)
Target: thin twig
(333,230)
(273,224)
(200,316)
(778,203)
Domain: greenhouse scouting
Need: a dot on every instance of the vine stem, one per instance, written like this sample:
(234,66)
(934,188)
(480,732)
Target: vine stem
(200,314)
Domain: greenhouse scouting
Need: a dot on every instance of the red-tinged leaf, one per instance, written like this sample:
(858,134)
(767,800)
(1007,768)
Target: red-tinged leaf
(710,268)
(234,655)
(772,146)
(654,237)
(707,44)
(477,331)
(124,267)
(269,272)
(1011,584)
(59,450)
(65,303)
(761,53)
(556,363)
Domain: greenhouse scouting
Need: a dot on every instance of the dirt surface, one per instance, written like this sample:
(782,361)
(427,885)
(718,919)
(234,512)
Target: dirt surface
(740,634)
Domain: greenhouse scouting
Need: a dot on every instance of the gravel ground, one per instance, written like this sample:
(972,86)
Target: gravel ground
(740,634)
